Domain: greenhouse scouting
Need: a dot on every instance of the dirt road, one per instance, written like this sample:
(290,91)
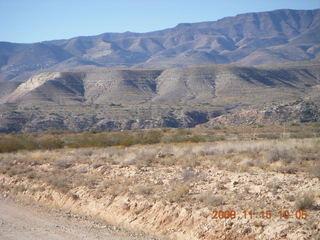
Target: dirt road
(20,221)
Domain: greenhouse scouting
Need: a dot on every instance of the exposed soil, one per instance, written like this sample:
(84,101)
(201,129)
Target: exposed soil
(20,221)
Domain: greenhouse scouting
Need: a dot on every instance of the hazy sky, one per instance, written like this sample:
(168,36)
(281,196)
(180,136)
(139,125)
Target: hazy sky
(39,20)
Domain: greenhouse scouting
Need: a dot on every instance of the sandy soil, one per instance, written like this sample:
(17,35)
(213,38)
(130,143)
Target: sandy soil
(20,221)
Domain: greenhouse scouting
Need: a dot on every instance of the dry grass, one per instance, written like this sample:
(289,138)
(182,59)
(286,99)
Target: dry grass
(275,155)
(234,174)
(226,174)
(63,164)
(211,200)
(60,183)
(58,139)
(178,192)
(314,170)
(144,190)
(305,201)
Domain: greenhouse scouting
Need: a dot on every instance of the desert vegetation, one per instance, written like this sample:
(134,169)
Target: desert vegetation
(66,139)
(194,171)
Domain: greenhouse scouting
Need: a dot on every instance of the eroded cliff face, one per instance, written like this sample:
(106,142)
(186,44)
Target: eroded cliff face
(32,84)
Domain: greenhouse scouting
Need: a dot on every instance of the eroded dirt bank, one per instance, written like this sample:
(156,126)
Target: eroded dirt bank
(21,221)
(171,190)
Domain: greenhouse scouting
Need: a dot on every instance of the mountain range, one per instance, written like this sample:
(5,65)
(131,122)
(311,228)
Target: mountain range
(255,68)
(117,99)
(245,39)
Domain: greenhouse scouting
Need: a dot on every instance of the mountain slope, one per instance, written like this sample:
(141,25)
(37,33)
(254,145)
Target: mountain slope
(60,88)
(117,99)
(7,88)
(247,39)
(210,84)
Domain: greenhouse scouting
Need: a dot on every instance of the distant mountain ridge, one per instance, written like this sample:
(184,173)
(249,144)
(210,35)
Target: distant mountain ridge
(246,39)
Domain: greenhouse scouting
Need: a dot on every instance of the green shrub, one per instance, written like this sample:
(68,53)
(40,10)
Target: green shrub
(12,144)
(50,143)
(268,136)
(302,135)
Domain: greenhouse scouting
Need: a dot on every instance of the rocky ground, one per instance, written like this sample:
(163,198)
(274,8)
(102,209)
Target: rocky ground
(294,112)
(249,189)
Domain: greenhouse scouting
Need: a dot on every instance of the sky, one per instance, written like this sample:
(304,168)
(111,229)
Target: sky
(26,21)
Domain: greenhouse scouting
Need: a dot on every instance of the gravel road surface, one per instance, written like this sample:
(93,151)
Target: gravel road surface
(20,221)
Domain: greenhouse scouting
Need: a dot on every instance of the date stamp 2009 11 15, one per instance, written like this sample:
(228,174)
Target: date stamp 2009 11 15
(262,214)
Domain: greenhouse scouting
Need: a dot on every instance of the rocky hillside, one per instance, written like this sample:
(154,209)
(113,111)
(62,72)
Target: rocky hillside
(210,84)
(246,39)
(117,99)
(295,112)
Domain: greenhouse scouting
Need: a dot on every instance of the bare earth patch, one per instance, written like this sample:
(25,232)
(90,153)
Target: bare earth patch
(20,221)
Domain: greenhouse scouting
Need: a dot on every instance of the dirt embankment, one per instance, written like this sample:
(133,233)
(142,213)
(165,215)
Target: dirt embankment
(140,215)
(21,221)
(171,191)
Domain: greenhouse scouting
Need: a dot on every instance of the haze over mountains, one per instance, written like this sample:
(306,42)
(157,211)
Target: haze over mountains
(246,39)
(129,80)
